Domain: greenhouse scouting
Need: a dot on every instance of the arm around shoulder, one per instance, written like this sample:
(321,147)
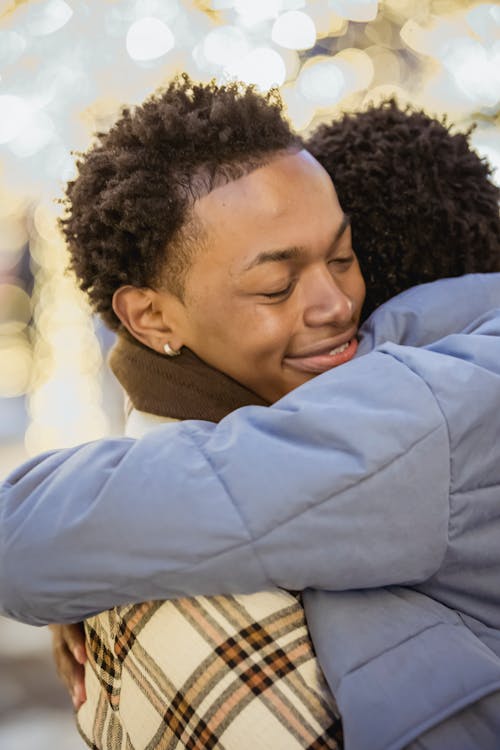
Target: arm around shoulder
(344,483)
(324,489)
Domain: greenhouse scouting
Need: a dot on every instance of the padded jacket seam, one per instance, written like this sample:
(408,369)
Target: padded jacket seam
(305,511)
(445,422)
(228,494)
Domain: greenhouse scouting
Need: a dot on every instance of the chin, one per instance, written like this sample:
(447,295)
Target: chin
(289,387)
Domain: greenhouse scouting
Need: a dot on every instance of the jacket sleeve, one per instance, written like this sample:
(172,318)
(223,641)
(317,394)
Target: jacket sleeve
(342,484)
(428,312)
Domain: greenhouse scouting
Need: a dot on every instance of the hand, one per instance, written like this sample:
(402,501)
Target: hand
(68,649)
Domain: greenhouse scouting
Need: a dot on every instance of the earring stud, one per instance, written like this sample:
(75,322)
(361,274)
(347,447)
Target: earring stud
(169,351)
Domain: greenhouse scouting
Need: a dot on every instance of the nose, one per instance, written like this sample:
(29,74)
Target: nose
(326,302)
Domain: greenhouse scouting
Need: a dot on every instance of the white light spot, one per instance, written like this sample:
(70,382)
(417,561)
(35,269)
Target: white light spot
(148,39)
(294,30)
(292,4)
(12,46)
(15,114)
(357,67)
(355,10)
(48,17)
(164,9)
(224,45)
(255,11)
(299,110)
(322,82)
(475,69)
(484,20)
(37,133)
(262,66)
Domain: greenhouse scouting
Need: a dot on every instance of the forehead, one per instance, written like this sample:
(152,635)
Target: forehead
(269,189)
(289,201)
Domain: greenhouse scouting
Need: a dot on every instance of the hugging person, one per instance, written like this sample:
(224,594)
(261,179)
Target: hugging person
(210,236)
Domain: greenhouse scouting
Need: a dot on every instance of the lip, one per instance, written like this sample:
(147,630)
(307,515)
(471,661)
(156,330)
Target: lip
(325,346)
(318,360)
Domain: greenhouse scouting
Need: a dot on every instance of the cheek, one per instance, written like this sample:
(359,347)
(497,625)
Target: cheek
(238,327)
(208,315)
(270,326)
(263,337)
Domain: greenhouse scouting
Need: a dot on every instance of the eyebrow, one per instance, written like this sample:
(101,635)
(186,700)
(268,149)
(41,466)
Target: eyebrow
(290,253)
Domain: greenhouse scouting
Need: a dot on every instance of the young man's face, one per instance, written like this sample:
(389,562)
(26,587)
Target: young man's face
(275,295)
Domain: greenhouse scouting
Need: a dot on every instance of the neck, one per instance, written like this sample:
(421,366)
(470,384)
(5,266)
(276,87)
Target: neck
(182,387)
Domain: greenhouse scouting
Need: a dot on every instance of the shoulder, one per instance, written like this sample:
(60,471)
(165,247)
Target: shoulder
(428,312)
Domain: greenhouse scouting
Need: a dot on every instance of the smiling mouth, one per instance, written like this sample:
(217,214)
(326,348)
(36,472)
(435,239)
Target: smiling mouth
(317,363)
(339,349)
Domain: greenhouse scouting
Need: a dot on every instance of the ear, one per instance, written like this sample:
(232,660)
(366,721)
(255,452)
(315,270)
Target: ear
(150,316)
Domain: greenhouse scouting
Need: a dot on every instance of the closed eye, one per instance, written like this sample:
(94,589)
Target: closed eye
(343,261)
(281,293)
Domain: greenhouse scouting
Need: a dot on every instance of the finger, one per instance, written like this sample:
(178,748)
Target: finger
(74,636)
(71,673)
(73,676)
(78,693)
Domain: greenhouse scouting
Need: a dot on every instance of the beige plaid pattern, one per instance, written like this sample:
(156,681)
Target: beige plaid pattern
(226,672)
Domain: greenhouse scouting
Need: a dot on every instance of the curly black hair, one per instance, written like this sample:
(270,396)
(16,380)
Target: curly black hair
(128,218)
(421,201)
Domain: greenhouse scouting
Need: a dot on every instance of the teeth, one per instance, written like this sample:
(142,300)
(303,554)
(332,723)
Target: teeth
(340,348)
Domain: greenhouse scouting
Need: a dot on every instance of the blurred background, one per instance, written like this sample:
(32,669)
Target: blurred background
(66,67)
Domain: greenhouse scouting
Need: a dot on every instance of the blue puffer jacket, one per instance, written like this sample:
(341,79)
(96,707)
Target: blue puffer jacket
(376,486)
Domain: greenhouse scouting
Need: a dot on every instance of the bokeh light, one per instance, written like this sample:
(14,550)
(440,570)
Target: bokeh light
(262,66)
(47,17)
(148,39)
(322,81)
(225,45)
(66,68)
(15,114)
(355,10)
(294,30)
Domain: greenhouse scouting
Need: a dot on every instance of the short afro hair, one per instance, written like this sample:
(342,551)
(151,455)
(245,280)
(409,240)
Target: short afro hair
(128,218)
(421,200)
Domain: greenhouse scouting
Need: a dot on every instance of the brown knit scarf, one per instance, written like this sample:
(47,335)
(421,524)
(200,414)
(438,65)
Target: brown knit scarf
(182,387)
